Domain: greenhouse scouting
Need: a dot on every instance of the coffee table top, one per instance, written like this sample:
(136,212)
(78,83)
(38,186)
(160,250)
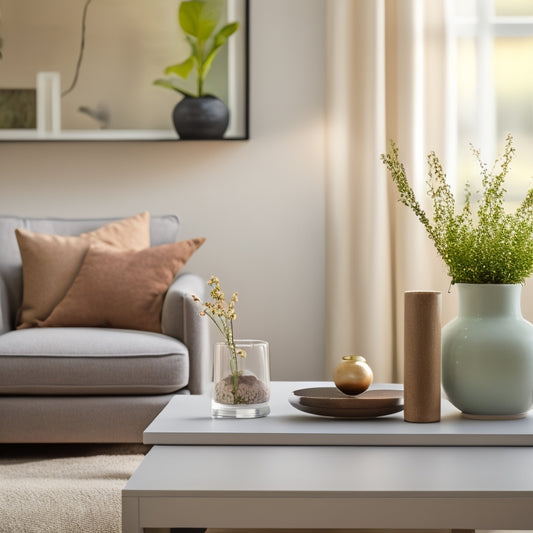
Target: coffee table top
(187,420)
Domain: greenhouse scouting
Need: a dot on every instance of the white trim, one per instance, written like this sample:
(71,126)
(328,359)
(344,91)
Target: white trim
(88,135)
(451,122)
(484,27)
(236,11)
(485,97)
(418,74)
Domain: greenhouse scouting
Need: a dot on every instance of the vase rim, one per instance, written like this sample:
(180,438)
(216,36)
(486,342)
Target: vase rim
(244,341)
(489,284)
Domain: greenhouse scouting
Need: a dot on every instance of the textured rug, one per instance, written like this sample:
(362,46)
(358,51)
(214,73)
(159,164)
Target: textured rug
(64,488)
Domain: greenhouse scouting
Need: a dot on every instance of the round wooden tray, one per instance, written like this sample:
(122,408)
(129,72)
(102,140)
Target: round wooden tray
(330,401)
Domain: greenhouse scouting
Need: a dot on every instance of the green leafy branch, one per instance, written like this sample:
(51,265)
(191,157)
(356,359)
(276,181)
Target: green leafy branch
(488,246)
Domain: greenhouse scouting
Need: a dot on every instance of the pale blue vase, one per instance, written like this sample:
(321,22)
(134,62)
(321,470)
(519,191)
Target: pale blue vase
(487,353)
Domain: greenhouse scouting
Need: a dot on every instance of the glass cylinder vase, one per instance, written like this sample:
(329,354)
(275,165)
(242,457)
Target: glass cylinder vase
(241,380)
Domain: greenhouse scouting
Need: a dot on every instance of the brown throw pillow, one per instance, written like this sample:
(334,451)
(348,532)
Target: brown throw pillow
(119,289)
(50,262)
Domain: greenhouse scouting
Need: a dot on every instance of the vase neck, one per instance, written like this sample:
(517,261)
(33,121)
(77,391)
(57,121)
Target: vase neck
(485,299)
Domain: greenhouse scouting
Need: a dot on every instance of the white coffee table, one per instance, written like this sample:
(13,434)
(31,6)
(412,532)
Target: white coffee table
(209,478)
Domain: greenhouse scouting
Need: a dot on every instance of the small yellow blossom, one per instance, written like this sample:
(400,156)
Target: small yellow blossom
(222,313)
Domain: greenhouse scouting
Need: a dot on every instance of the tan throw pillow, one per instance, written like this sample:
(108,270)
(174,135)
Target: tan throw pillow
(51,262)
(119,289)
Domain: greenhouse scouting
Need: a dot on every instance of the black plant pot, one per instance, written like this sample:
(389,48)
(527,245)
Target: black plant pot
(205,117)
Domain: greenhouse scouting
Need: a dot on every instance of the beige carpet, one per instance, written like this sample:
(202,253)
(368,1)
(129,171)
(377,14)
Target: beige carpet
(65,488)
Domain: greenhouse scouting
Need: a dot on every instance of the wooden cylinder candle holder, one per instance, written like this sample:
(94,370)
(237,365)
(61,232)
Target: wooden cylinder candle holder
(422,356)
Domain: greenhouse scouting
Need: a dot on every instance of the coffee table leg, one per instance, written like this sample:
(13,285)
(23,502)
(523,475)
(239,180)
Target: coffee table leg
(130,516)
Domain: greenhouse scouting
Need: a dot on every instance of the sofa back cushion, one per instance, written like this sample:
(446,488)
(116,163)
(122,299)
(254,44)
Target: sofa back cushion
(122,289)
(50,262)
(163,230)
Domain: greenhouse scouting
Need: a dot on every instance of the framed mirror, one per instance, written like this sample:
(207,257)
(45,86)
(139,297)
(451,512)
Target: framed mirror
(80,70)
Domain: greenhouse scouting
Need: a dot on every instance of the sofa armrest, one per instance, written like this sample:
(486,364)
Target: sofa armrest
(181,319)
(5,314)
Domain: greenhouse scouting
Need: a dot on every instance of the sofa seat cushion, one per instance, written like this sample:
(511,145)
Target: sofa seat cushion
(66,361)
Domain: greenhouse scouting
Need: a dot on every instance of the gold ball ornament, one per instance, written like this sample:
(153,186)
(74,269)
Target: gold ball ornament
(353,375)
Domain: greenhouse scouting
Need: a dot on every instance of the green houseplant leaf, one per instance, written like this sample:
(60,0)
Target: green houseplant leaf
(198,19)
(219,40)
(227,31)
(170,84)
(181,69)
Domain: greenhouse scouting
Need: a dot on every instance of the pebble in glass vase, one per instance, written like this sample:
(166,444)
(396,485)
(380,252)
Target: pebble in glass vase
(241,380)
(487,353)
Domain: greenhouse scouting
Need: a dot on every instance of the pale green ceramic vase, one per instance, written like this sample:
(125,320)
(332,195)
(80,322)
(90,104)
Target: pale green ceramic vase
(487,353)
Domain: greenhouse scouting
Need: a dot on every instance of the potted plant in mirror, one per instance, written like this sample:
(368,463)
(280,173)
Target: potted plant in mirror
(487,350)
(241,368)
(199,115)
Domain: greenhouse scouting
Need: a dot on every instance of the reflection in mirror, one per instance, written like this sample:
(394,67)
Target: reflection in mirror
(85,69)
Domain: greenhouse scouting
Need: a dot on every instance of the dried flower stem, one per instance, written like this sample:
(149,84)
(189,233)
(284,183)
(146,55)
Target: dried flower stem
(223,315)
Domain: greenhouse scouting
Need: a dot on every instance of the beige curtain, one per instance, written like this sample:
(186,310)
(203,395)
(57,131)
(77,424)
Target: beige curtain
(385,80)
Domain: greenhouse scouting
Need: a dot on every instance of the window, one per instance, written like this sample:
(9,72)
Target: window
(490,77)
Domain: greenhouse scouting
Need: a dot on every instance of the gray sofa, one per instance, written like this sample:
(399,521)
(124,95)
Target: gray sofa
(94,384)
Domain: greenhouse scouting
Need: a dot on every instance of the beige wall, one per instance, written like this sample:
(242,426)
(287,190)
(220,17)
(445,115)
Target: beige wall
(260,203)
